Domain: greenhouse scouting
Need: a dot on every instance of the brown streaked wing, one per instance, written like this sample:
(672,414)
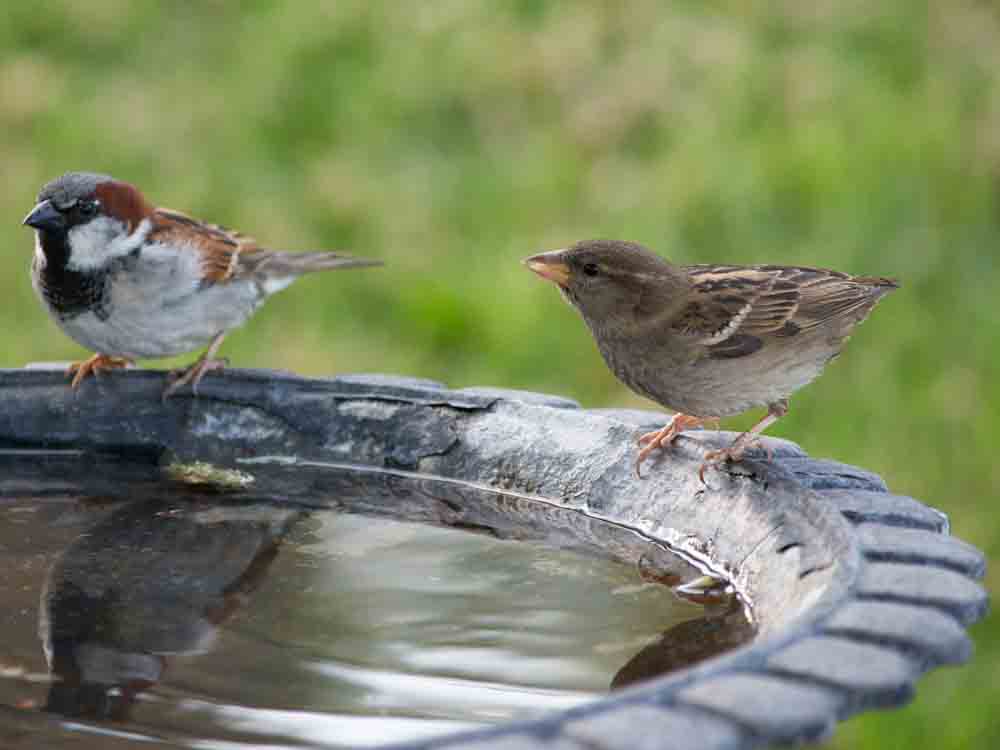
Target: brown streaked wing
(218,246)
(729,299)
(734,309)
(828,295)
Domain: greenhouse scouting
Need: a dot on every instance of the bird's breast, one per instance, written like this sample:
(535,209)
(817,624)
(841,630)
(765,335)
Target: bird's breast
(145,306)
(686,380)
(68,294)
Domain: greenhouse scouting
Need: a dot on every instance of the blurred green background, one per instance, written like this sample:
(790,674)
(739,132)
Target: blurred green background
(451,138)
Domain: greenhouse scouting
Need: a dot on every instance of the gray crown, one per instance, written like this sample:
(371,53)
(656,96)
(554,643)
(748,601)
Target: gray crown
(71,187)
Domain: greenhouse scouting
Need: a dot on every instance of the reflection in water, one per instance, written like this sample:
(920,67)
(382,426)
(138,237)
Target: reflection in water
(264,617)
(688,643)
(152,581)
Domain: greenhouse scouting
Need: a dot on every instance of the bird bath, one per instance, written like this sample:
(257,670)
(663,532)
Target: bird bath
(224,548)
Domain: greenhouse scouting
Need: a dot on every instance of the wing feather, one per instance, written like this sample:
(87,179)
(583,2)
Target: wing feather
(220,249)
(733,310)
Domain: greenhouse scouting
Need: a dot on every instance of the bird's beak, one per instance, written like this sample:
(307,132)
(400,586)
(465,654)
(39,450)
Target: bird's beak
(45,216)
(550,266)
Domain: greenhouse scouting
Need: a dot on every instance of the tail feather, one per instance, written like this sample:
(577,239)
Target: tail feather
(278,264)
(278,269)
(274,270)
(881,284)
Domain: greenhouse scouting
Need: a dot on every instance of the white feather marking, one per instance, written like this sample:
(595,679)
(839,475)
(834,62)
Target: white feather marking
(276,284)
(39,253)
(730,328)
(94,244)
(234,259)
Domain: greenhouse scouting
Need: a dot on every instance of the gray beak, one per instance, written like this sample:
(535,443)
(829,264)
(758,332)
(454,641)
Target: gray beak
(45,216)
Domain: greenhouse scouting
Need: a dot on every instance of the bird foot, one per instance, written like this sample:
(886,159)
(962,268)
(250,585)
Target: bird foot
(96,364)
(192,375)
(734,453)
(717,458)
(651,441)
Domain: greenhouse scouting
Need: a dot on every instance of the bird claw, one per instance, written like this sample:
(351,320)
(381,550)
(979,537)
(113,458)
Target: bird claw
(647,438)
(666,435)
(652,441)
(96,364)
(192,375)
(716,458)
(766,447)
(733,454)
(638,462)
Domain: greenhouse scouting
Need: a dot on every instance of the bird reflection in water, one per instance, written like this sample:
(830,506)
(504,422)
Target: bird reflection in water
(154,580)
(723,627)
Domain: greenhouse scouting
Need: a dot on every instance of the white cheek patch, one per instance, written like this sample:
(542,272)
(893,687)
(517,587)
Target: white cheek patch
(94,244)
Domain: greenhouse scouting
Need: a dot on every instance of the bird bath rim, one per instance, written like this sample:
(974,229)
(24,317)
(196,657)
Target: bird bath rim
(856,591)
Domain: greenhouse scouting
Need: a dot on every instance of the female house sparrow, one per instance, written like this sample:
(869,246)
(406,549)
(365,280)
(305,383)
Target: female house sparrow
(709,341)
(129,281)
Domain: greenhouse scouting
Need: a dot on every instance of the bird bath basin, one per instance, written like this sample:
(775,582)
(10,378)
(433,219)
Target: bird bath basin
(365,560)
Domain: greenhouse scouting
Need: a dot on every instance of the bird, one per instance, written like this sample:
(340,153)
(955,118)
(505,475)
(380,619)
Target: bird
(128,280)
(709,341)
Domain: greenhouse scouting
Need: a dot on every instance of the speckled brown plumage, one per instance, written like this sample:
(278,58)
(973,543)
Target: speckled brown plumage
(709,341)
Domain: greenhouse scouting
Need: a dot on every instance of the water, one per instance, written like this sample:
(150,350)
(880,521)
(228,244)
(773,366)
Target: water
(321,607)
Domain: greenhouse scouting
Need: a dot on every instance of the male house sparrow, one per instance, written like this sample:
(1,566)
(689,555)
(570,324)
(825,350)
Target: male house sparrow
(129,281)
(709,341)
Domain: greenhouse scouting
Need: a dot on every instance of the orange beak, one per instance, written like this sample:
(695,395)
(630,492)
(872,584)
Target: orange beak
(550,266)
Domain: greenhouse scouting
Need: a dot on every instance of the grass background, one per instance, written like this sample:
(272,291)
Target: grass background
(451,138)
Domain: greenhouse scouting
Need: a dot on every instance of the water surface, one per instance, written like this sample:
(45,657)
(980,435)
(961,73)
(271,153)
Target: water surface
(321,608)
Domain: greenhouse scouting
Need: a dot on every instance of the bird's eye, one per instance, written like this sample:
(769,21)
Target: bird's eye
(591,269)
(88,209)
